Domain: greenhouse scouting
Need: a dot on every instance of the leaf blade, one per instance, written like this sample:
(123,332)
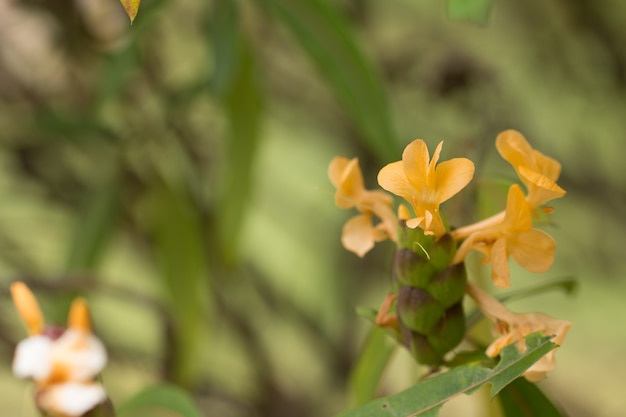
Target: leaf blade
(426,398)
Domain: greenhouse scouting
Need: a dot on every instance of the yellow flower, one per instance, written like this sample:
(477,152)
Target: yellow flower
(513,328)
(424,184)
(537,171)
(513,236)
(359,234)
(63,362)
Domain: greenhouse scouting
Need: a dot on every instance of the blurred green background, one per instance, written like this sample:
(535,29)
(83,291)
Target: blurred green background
(174,173)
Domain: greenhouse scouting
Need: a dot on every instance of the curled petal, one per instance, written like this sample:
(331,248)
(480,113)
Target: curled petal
(541,188)
(358,234)
(514,148)
(346,176)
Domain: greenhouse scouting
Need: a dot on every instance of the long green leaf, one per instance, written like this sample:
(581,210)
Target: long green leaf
(159,401)
(93,227)
(524,399)
(426,398)
(324,35)
(235,82)
(175,224)
(370,366)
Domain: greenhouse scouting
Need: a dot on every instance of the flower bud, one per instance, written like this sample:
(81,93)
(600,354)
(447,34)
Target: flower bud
(417,309)
(448,286)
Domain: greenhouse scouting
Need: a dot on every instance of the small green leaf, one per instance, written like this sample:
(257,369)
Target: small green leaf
(366,373)
(159,401)
(476,11)
(325,37)
(524,399)
(427,397)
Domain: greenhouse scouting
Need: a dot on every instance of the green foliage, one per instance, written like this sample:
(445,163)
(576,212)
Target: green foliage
(472,10)
(159,401)
(325,37)
(372,362)
(524,399)
(427,397)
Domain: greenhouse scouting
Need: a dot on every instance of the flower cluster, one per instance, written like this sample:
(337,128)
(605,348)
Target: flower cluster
(63,363)
(429,275)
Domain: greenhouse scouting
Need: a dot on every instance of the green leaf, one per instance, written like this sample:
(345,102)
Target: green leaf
(427,397)
(370,366)
(226,45)
(93,227)
(159,401)
(524,399)
(476,11)
(175,224)
(242,103)
(324,35)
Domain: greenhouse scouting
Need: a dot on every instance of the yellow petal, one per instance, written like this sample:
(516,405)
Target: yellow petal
(27,307)
(541,188)
(517,217)
(392,178)
(547,166)
(78,318)
(452,176)
(500,264)
(131,7)
(533,250)
(514,148)
(358,234)
(415,163)
(346,176)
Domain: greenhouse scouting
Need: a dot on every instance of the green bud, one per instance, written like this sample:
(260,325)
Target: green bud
(409,268)
(442,251)
(413,238)
(420,348)
(448,286)
(449,331)
(417,309)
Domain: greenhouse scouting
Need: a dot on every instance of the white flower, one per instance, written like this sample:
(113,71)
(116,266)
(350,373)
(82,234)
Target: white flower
(63,367)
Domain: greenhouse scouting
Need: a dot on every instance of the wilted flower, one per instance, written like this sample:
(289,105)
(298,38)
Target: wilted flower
(537,171)
(424,184)
(513,236)
(62,362)
(513,328)
(359,234)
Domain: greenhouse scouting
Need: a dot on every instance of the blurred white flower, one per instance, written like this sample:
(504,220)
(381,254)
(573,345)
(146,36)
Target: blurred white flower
(63,364)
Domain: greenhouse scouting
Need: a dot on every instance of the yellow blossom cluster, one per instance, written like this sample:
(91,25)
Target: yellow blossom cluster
(425,183)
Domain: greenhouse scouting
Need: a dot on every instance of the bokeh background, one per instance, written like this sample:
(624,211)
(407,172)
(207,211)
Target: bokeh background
(174,173)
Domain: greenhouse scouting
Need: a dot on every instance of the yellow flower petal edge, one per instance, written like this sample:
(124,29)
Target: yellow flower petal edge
(424,184)
(513,236)
(537,171)
(359,233)
(513,328)
(27,307)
